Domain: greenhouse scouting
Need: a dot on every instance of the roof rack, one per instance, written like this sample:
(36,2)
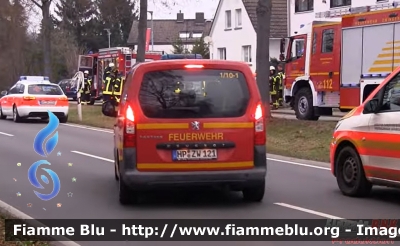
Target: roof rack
(181,56)
(335,13)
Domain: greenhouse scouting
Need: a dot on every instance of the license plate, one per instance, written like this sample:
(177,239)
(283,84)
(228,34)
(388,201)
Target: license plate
(194,154)
(47,102)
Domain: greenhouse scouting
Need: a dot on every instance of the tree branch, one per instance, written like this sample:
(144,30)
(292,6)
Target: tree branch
(36,3)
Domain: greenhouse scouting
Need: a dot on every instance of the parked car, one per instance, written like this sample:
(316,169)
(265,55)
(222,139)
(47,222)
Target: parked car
(69,87)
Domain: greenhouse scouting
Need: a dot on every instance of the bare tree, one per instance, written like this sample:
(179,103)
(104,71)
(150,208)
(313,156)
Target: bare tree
(262,58)
(46,30)
(142,27)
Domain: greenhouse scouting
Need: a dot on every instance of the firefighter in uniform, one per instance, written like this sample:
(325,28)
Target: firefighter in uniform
(85,91)
(273,87)
(108,85)
(281,75)
(118,85)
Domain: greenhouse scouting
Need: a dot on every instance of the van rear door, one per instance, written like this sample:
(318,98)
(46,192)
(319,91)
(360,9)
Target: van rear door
(196,119)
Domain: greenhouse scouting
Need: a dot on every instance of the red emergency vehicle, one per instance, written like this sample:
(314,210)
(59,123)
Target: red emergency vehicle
(123,58)
(337,64)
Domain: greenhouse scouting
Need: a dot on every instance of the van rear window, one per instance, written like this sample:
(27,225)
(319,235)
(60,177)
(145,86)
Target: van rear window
(194,94)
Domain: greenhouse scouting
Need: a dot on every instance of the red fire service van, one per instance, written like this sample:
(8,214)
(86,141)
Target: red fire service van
(337,64)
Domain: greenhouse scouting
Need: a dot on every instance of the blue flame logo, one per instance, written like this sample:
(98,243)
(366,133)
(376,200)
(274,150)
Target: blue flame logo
(44,148)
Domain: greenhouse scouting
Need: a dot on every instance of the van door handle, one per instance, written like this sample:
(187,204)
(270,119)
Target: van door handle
(330,74)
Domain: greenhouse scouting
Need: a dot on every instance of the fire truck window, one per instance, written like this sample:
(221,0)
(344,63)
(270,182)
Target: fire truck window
(327,41)
(297,48)
(314,43)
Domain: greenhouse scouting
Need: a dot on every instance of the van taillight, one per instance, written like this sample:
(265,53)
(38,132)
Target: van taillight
(259,126)
(129,131)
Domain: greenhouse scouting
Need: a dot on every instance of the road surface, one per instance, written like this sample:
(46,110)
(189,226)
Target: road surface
(294,191)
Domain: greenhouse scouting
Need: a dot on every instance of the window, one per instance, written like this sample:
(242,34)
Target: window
(222,53)
(238,18)
(327,41)
(303,5)
(340,3)
(184,35)
(228,19)
(197,34)
(194,94)
(314,43)
(297,49)
(246,53)
(391,96)
(13,90)
(44,89)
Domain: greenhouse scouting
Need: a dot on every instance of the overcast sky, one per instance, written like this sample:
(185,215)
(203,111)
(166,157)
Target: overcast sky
(207,6)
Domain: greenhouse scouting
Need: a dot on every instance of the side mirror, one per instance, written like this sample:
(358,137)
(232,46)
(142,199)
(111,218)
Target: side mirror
(3,93)
(281,57)
(282,46)
(372,106)
(108,109)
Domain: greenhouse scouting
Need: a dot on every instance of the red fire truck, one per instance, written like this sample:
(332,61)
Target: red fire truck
(337,64)
(123,58)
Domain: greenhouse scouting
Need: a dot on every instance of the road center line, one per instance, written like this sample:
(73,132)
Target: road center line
(6,134)
(299,164)
(328,216)
(93,156)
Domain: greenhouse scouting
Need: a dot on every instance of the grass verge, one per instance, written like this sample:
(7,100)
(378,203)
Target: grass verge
(3,241)
(293,138)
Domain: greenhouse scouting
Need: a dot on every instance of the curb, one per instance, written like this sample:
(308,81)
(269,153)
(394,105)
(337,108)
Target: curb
(17,214)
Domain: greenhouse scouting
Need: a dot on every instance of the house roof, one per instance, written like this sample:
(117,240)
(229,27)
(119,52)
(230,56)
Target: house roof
(278,16)
(166,31)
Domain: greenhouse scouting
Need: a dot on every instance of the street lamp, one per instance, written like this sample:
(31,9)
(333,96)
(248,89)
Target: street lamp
(152,30)
(109,36)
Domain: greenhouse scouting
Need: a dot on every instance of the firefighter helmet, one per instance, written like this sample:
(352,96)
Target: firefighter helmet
(271,68)
(111,64)
(86,72)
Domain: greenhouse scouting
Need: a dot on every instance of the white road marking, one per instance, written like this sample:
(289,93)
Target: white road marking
(93,156)
(88,128)
(6,134)
(299,164)
(328,216)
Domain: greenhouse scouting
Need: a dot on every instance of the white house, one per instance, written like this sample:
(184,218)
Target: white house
(233,32)
(305,11)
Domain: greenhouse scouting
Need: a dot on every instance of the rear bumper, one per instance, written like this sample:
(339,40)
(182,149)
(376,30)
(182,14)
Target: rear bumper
(235,178)
(31,111)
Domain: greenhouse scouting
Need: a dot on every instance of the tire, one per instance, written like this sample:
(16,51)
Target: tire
(126,195)
(350,175)
(92,101)
(303,105)
(2,116)
(63,119)
(16,117)
(115,172)
(254,193)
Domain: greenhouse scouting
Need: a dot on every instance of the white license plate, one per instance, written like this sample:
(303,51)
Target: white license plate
(194,154)
(47,102)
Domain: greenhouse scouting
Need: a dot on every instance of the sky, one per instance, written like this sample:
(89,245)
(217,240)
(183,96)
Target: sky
(207,6)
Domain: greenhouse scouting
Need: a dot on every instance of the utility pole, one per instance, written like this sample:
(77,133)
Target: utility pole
(152,30)
(109,36)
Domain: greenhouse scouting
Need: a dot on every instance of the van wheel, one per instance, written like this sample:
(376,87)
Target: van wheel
(254,193)
(303,105)
(16,117)
(126,194)
(350,174)
(2,116)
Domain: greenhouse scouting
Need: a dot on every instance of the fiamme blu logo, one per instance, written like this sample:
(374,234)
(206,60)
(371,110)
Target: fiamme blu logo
(43,145)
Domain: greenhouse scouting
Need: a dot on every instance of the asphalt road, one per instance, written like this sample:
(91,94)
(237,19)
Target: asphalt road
(294,191)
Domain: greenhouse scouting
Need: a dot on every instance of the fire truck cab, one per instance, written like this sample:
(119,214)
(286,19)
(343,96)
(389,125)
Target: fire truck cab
(337,64)
(123,58)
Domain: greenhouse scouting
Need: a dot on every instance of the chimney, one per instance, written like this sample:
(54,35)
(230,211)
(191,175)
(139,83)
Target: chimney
(199,18)
(180,17)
